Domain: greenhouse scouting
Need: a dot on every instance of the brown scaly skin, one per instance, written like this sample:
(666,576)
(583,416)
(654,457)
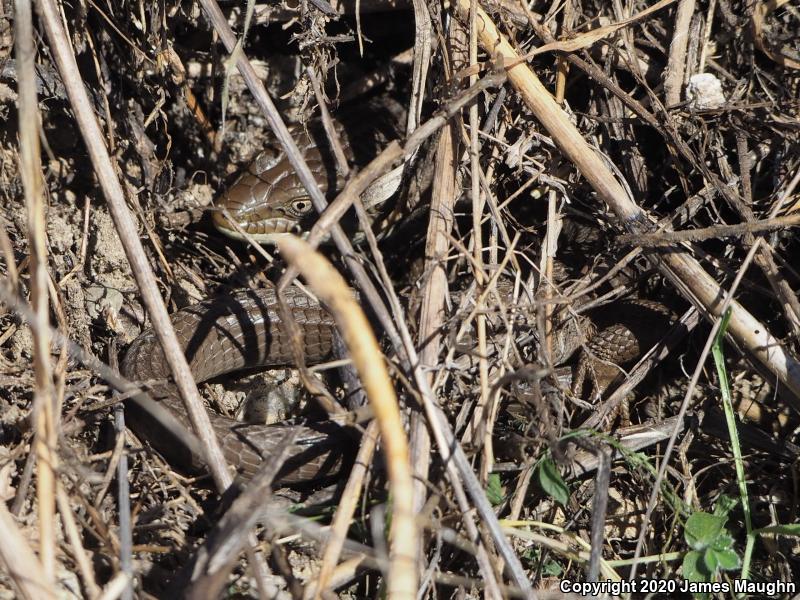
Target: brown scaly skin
(244,330)
(619,342)
(268,199)
(229,334)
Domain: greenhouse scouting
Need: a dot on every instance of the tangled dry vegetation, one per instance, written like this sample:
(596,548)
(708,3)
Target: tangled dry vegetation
(607,175)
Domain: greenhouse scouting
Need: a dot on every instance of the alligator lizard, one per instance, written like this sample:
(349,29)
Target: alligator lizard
(244,330)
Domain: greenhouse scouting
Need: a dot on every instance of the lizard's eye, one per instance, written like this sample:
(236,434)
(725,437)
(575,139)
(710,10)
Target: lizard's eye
(301,207)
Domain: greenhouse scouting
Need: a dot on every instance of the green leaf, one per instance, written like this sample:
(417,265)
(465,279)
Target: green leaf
(552,569)
(531,554)
(724,505)
(702,529)
(693,568)
(728,560)
(722,543)
(710,561)
(494,491)
(551,482)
